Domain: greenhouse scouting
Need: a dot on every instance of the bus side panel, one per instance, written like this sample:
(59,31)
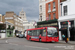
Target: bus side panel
(43,38)
(51,39)
(27,37)
(34,39)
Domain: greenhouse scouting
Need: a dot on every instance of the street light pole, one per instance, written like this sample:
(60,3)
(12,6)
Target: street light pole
(61,8)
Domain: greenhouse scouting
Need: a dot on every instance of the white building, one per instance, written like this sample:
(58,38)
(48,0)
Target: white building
(42,10)
(67,14)
(26,24)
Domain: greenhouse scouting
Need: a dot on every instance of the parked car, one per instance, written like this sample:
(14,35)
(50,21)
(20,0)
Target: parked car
(17,34)
(20,35)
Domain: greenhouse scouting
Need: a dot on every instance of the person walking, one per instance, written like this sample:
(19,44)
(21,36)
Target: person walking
(63,37)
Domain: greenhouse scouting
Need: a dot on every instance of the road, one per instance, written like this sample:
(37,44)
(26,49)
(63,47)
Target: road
(23,44)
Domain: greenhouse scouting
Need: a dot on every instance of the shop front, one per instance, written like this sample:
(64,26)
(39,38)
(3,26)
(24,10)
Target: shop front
(67,28)
(53,23)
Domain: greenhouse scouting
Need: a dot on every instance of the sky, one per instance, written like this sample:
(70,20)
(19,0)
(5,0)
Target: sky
(31,7)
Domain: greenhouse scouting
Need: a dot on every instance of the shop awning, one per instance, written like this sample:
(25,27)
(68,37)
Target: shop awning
(45,22)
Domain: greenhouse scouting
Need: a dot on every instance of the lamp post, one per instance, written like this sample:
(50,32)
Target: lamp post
(61,8)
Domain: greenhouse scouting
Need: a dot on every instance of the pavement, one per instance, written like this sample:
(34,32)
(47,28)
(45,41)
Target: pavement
(6,38)
(62,42)
(69,42)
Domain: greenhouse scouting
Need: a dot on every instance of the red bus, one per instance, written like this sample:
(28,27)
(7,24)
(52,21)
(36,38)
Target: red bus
(44,34)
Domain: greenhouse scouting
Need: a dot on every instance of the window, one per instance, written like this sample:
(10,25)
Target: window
(54,16)
(34,32)
(37,32)
(65,10)
(30,33)
(49,16)
(43,32)
(40,8)
(49,7)
(41,18)
(53,5)
(52,32)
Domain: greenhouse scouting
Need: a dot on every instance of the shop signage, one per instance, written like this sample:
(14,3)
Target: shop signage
(64,25)
(8,17)
(52,24)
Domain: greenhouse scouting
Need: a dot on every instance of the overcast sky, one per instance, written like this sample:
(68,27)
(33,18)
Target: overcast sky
(31,7)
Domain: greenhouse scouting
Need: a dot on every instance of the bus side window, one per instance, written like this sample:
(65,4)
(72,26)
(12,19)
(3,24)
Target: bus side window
(38,32)
(30,33)
(41,32)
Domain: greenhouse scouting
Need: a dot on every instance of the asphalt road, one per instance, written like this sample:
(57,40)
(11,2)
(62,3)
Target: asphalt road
(23,44)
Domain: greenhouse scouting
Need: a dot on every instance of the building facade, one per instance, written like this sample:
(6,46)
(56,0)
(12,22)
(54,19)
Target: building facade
(51,13)
(18,23)
(26,24)
(67,19)
(14,20)
(42,11)
(51,9)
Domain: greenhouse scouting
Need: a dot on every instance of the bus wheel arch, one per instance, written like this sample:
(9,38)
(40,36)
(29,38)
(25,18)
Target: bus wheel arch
(40,39)
(30,38)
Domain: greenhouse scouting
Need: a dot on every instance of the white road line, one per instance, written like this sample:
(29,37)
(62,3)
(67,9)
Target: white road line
(6,41)
(13,44)
(28,46)
(37,47)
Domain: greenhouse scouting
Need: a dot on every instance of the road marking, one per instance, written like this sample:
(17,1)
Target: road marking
(37,47)
(6,41)
(13,44)
(28,46)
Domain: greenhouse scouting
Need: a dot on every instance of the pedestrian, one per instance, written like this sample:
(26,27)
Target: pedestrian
(63,37)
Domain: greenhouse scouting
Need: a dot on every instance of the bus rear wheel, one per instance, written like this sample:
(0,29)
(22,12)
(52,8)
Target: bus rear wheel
(40,39)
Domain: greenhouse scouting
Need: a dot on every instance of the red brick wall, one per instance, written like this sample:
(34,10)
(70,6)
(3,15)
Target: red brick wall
(56,12)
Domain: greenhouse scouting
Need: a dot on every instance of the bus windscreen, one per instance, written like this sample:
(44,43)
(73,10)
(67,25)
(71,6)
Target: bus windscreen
(52,32)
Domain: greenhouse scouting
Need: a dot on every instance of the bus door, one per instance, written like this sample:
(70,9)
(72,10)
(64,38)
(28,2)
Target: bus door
(29,34)
(43,35)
